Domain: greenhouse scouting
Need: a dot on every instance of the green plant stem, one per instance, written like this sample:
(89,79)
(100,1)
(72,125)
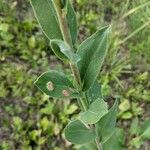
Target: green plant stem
(66,35)
(67,38)
(99,145)
(63,22)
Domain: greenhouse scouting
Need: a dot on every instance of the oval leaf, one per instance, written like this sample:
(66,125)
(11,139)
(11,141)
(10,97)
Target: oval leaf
(61,48)
(56,84)
(92,52)
(106,125)
(95,112)
(47,18)
(77,133)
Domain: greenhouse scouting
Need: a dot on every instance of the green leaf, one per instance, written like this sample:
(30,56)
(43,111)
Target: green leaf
(136,142)
(94,92)
(72,21)
(135,129)
(64,51)
(95,112)
(56,84)
(125,105)
(127,115)
(106,125)
(92,52)
(17,123)
(47,109)
(77,133)
(116,141)
(44,123)
(146,134)
(34,134)
(32,42)
(145,125)
(47,18)
(89,146)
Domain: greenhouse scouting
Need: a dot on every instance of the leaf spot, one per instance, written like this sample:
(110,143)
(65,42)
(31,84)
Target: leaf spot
(65,93)
(50,86)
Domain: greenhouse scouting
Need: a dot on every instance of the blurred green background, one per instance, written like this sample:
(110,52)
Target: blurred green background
(29,120)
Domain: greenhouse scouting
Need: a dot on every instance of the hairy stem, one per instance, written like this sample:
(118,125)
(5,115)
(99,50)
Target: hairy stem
(99,145)
(67,38)
(63,22)
(66,35)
